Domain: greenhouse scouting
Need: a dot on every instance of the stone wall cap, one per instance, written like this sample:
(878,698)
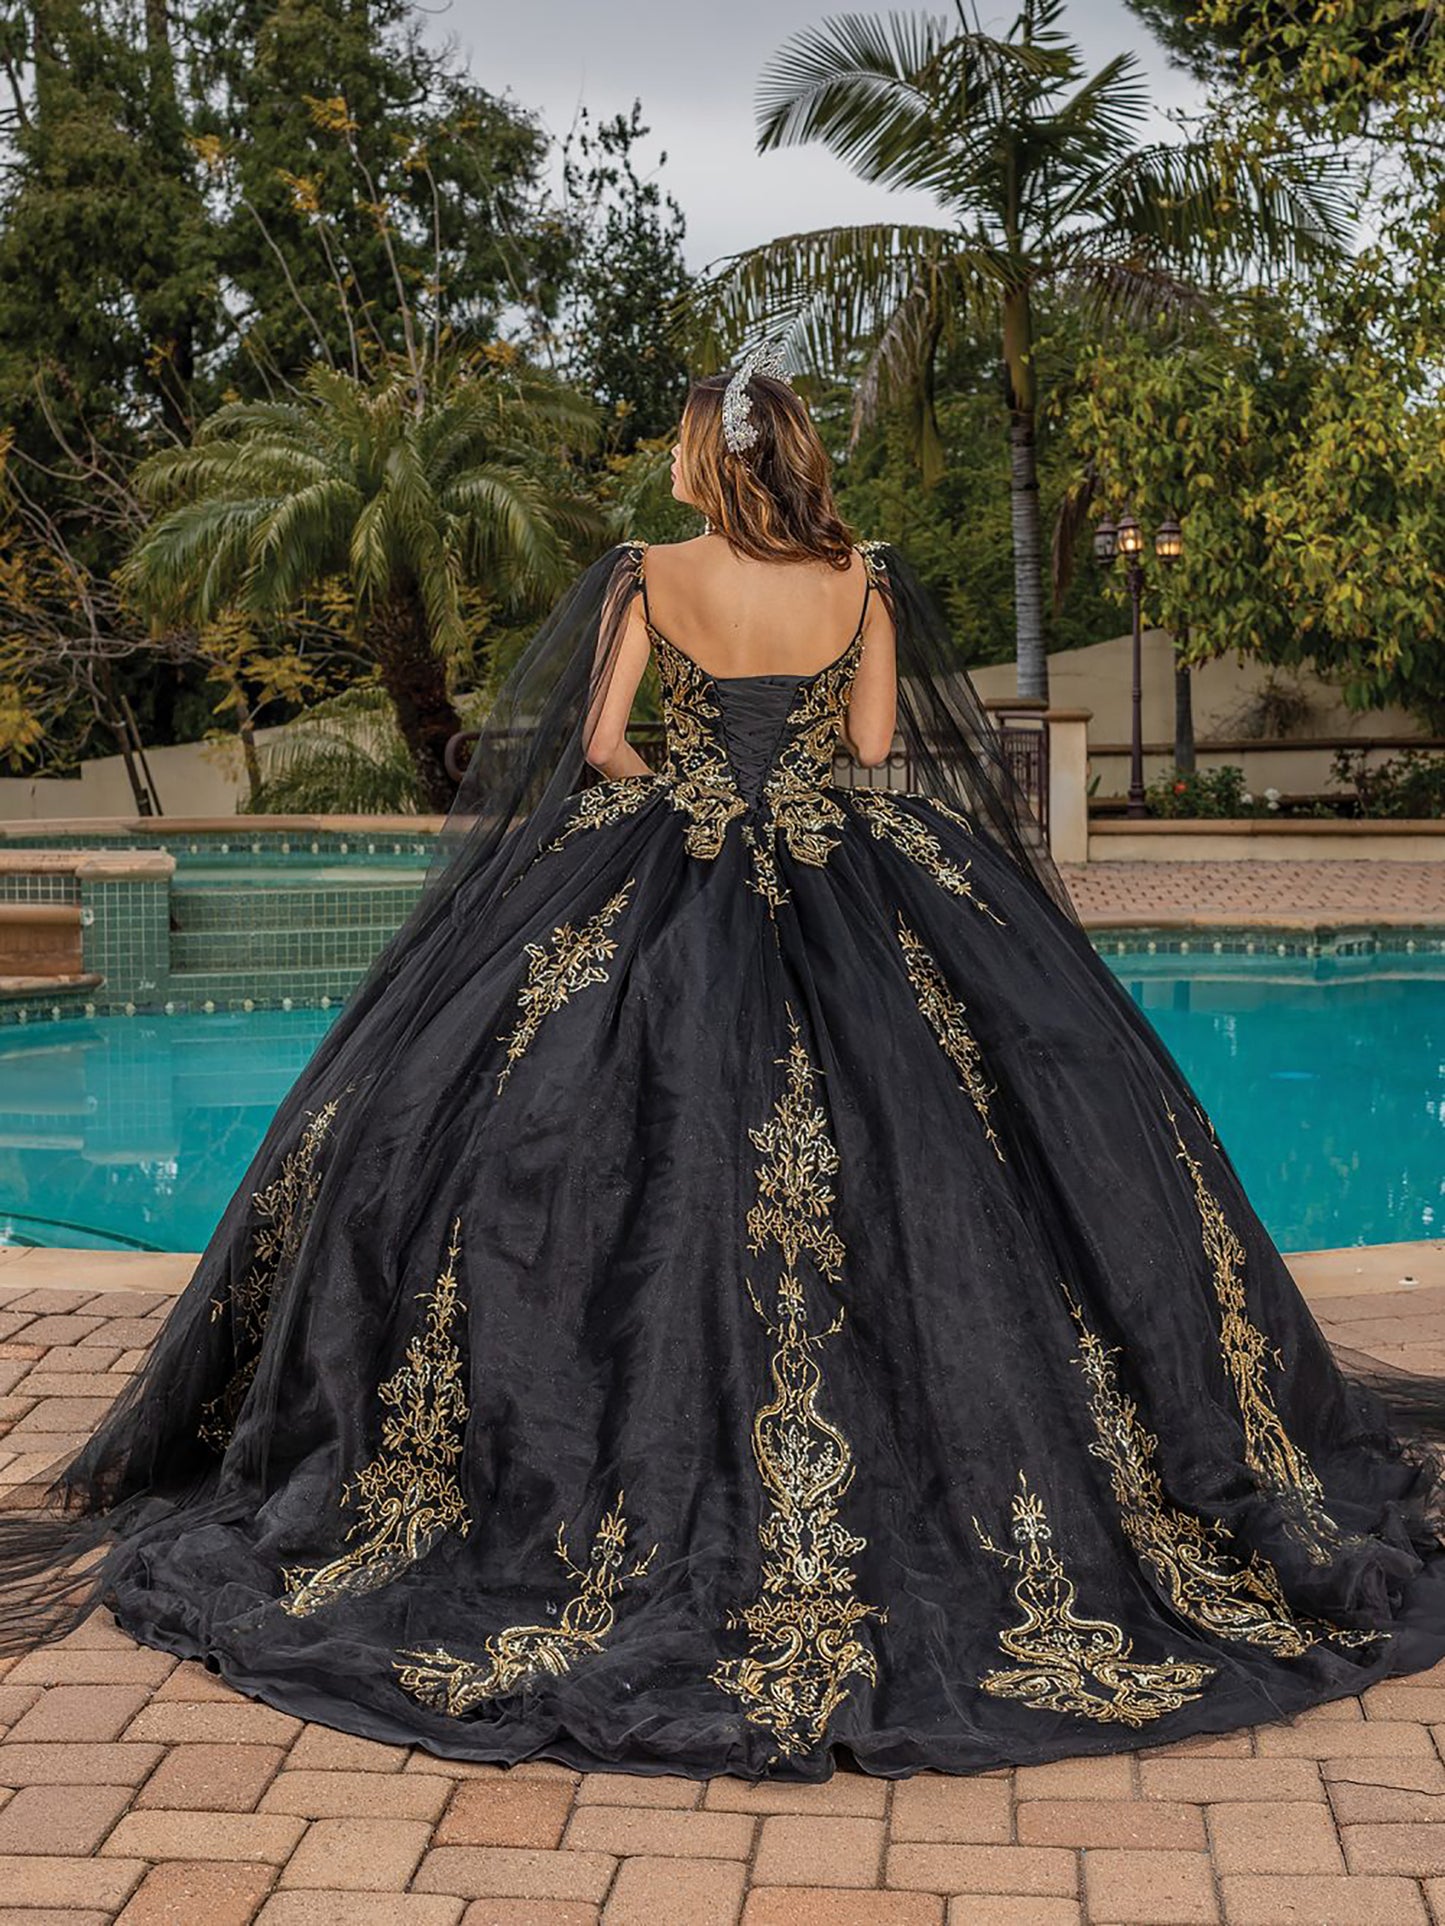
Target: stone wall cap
(122,865)
(1361,826)
(91,864)
(235,829)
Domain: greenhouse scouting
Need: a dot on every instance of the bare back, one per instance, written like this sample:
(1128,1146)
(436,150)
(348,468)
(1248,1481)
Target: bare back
(737,617)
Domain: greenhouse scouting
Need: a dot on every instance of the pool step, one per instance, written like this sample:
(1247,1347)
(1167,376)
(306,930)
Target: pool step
(59,984)
(39,940)
(305,939)
(281,950)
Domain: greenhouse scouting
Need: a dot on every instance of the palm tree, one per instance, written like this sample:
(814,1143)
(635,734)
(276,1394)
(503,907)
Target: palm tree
(402,491)
(1046,187)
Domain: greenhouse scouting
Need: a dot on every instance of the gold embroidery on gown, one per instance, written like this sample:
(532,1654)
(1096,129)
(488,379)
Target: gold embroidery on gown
(285,1206)
(1269,1451)
(697,772)
(1068,1663)
(453,1685)
(800,799)
(802,1643)
(556,970)
(1189,1556)
(889,822)
(953,814)
(603,804)
(945,1015)
(408,1497)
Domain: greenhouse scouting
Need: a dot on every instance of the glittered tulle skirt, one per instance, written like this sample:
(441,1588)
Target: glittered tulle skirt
(747,1313)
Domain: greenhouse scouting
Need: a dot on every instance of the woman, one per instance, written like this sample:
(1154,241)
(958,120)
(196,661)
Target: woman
(742,1285)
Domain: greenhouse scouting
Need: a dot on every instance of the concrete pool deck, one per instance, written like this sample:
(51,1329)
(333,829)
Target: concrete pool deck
(134,1788)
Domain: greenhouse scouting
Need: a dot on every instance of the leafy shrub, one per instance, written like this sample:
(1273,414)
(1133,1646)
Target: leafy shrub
(344,757)
(1411,784)
(1199,792)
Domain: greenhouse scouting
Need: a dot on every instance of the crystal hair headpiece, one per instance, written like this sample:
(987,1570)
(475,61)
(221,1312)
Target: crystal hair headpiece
(740,431)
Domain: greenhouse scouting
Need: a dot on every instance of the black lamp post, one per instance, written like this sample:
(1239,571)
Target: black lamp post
(1126,538)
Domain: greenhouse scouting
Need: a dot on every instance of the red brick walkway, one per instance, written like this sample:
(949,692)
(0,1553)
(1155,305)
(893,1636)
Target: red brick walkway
(136,1788)
(1277,894)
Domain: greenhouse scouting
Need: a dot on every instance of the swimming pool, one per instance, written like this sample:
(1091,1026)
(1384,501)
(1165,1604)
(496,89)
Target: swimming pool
(1326,1086)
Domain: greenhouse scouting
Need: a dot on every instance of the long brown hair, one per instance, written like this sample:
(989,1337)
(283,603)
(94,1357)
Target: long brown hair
(774,500)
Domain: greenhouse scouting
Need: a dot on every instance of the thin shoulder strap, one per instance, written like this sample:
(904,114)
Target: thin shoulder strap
(640,553)
(864,549)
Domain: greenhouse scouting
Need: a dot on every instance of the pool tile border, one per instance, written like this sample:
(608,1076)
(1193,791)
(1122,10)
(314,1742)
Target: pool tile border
(1225,938)
(312,982)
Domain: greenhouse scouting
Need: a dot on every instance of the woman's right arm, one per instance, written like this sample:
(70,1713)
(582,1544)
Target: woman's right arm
(872,715)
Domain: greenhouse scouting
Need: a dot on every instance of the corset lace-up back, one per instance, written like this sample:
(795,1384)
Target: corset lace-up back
(759,748)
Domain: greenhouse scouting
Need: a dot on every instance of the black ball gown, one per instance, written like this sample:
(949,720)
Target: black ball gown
(743,1286)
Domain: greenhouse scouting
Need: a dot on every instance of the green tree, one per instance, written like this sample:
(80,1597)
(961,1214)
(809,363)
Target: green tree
(958,531)
(362,182)
(1040,170)
(192,210)
(626,281)
(107,261)
(405,492)
(1351,67)
(1306,464)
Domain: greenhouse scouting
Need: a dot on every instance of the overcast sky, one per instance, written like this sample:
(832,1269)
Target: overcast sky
(695,69)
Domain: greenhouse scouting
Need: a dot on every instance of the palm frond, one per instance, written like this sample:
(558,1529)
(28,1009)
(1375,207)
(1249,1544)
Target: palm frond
(191,563)
(1199,206)
(1112,288)
(303,540)
(371,549)
(849,82)
(1102,117)
(344,756)
(504,524)
(900,358)
(832,288)
(906,103)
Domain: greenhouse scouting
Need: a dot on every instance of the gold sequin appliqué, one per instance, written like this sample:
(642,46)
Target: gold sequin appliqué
(1188,1556)
(599,806)
(1068,1663)
(568,962)
(891,823)
(945,1015)
(697,773)
(802,1645)
(408,1497)
(457,1685)
(1270,1453)
(605,803)
(799,797)
(284,1207)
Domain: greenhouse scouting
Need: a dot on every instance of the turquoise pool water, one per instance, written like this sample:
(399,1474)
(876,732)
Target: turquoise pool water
(1325,1082)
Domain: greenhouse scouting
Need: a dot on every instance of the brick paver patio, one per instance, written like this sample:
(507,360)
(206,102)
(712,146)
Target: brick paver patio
(1283,894)
(138,1789)
(134,1788)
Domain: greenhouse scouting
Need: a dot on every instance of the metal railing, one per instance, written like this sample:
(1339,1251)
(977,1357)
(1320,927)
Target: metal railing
(1023,734)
